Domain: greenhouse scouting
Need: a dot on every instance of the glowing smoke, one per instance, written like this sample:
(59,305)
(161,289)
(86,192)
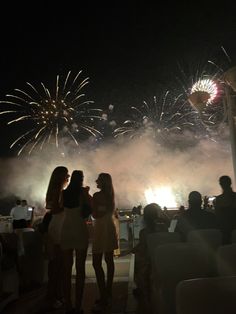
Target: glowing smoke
(134,165)
(162,195)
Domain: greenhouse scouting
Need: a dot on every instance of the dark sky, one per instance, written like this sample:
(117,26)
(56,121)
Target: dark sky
(127,50)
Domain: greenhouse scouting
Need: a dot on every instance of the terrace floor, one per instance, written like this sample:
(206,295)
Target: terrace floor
(123,301)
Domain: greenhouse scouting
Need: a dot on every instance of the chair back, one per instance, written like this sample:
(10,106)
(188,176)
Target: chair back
(159,238)
(174,262)
(214,295)
(226,260)
(208,238)
(33,264)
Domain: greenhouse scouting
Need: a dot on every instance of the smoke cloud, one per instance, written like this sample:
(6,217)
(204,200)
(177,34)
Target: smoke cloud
(134,165)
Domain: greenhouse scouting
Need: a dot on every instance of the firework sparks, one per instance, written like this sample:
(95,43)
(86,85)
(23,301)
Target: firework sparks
(203,86)
(208,86)
(163,196)
(160,118)
(51,116)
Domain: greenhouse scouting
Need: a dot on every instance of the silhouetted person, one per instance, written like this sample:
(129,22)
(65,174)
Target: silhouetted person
(43,226)
(136,210)
(195,217)
(19,215)
(153,222)
(175,218)
(104,238)
(225,208)
(165,215)
(54,203)
(75,237)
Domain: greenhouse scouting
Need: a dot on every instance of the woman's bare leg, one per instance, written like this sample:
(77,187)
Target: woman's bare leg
(80,277)
(56,269)
(100,276)
(68,261)
(110,272)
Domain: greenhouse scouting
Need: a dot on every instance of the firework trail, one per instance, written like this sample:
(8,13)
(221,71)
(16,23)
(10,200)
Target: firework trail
(51,116)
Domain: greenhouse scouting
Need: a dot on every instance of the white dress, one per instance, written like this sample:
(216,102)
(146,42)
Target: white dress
(74,233)
(55,226)
(104,234)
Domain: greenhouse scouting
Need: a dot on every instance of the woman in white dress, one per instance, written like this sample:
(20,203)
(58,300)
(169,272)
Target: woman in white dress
(104,237)
(74,237)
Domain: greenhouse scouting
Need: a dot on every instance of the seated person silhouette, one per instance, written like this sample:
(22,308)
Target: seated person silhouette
(195,217)
(153,222)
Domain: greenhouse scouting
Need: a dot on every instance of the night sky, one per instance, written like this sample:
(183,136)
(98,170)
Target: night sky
(129,50)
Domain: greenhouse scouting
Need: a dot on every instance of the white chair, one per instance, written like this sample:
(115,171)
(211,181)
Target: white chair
(226,260)
(206,296)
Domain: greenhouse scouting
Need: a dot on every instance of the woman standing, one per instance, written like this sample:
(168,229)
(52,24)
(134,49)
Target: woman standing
(74,236)
(54,203)
(104,237)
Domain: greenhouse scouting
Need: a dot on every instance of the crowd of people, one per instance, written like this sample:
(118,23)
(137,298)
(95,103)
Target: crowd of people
(68,206)
(221,216)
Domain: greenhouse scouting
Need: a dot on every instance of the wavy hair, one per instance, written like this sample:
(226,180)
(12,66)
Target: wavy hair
(55,186)
(107,188)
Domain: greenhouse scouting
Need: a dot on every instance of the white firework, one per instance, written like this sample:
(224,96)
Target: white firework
(208,86)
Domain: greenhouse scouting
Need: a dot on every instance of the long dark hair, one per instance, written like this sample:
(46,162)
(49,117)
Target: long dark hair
(107,188)
(55,186)
(71,195)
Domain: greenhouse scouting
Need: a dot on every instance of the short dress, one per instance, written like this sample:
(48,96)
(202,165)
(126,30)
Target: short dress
(104,234)
(74,233)
(55,226)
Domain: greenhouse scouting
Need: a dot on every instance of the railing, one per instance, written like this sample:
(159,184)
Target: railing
(6,224)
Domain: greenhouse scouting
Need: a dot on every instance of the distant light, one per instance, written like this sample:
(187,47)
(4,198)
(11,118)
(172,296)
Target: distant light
(163,196)
(104,116)
(112,123)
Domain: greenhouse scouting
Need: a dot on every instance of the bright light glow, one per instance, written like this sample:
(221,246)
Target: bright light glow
(163,196)
(208,86)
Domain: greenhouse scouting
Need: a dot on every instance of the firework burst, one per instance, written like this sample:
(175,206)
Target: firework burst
(160,119)
(208,86)
(52,116)
(202,84)
(202,75)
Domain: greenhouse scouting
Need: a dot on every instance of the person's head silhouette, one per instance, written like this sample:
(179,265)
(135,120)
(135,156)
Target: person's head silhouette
(195,199)
(225,182)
